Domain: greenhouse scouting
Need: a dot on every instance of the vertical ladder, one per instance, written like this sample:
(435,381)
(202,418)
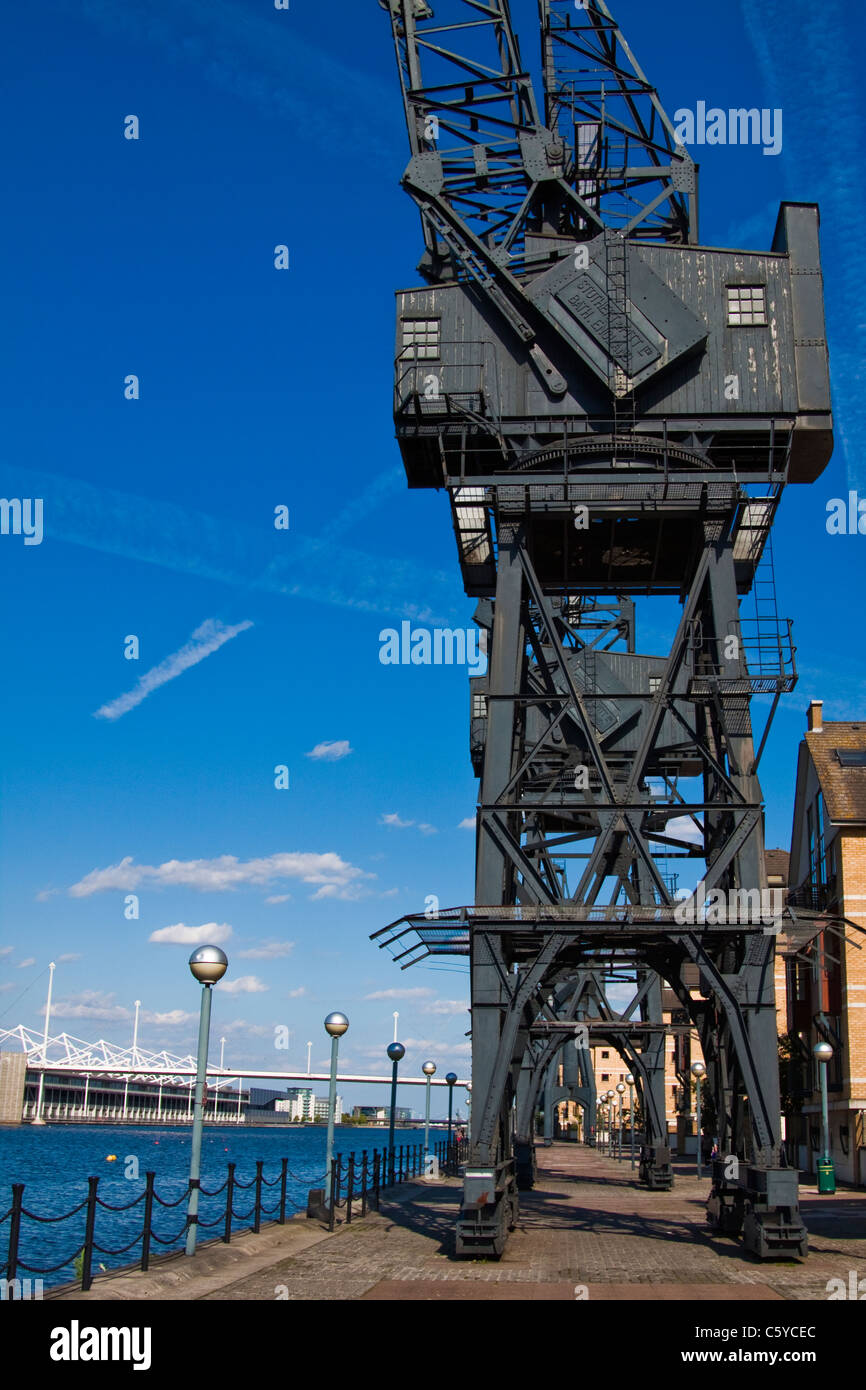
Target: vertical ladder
(616,249)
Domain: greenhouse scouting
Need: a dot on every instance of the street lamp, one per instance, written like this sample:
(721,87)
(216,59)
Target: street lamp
(620,1090)
(608,1095)
(429,1070)
(396,1052)
(451,1082)
(629,1081)
(822,1052)
(698,1070)
(335,1025)
(208,965)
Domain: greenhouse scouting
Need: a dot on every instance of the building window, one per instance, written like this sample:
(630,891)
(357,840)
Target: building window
(747,305)
(420,338)
(817,846)
(605,1076)
(851,757)
(605,1056)
(654,683)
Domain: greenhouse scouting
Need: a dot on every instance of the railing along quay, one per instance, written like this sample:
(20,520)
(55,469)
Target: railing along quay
(355,1178)
(362,1182)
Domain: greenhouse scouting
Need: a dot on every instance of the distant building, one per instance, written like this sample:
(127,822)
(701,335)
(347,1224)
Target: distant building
(262,1099)
(301,1103)
(320,1110)
(826,985)
(380,1114)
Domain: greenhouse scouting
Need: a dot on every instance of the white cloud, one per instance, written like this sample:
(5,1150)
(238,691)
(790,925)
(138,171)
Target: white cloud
(220,875)
(269,950)
(417,993)
(207,638)
(6,950)
(4,988)
(395,822)
(447,1006)
(330,752)
(210,934)
(684,828)
(69,955)
(240,1025)
(246,984)
(174,1018)
(297,993)
(347,892)
(468,823)
(279,898)
(23,964)
(90,1003)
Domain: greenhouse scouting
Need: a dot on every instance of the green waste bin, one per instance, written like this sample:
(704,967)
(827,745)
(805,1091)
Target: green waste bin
(826,1176)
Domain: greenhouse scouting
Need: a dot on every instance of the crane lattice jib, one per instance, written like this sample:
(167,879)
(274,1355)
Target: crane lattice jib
(624,158)
(485,158)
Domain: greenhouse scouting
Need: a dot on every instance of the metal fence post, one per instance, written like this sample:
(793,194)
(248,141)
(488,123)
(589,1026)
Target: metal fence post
(349,1189)
(283,1180)
(148,1218)
(230,1199)
(335,1184)
(257,1212)
(363,1182)
(14,1230)
(87,1262)
(376,1176)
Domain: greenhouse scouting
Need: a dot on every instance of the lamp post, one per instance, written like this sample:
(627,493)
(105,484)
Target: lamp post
(208,965)
(309,1055)
(620,1090)
(609,1095)
(396,1052)
(822,1052)
(698,1070)
(629,1081)
(469,1111)
(335,1025)
(429,1070)
(38,1118)
(451,1081)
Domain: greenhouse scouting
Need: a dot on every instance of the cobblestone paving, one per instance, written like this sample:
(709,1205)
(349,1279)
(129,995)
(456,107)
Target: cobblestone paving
(586,1222)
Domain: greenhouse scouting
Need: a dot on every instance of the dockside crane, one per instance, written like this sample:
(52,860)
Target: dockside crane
(614,411)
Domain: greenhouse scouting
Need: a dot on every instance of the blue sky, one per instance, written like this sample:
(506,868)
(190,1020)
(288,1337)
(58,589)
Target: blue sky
(261,388)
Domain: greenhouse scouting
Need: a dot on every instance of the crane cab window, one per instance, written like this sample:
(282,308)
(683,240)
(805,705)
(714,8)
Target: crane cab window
(420,338)
(747,305)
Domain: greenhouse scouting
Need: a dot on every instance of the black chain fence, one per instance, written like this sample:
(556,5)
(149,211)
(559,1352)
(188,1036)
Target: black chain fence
(354,1178)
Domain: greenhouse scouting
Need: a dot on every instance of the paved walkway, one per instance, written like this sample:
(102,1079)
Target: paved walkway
(588,1229)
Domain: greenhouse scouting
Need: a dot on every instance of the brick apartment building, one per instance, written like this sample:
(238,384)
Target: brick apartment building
(826,978)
